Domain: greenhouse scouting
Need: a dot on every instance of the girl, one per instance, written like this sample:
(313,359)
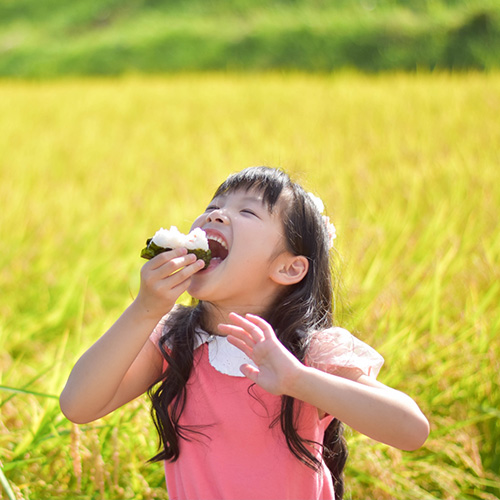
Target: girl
(250,385)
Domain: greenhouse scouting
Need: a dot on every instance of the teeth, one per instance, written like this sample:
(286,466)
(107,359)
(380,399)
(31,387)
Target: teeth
(218,240)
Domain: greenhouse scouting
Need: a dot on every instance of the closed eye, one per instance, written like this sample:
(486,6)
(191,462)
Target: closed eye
(248,211)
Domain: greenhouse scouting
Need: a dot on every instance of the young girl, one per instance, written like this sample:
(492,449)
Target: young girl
(249,386)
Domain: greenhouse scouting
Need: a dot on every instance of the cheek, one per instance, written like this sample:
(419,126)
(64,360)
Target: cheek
(198,222)
(257,249)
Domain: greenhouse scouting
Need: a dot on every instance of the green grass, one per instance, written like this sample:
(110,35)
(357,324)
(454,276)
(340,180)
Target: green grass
(54,38)
(408,168)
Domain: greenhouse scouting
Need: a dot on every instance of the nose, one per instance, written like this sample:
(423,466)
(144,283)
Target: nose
(217,215)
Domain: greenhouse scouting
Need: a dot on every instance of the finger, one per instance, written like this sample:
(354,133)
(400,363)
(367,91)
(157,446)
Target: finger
(248,326)
(186,272)
(171,267)
(241,345)
(262,324)
(236,332)
(179,289)
(179,282)
(250,372)
(166,264)
(178,263)
(165,257)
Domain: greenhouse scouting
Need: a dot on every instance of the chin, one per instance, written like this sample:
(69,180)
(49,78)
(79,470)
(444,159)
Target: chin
(198,291)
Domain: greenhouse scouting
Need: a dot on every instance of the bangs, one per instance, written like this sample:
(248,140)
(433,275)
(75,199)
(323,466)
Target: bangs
(269,182)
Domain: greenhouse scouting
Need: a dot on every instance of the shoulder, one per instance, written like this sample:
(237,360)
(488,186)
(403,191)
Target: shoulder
(157,333)
(335,350)
(176,324)
(164,325)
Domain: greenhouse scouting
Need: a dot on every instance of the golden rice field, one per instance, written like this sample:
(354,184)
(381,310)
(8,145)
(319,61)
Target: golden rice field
(408,168)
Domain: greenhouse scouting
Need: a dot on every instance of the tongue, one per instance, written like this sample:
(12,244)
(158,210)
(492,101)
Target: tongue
(214,262)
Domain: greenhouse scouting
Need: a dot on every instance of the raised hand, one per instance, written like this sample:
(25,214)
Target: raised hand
(122,364)
(276,366)
(394,418)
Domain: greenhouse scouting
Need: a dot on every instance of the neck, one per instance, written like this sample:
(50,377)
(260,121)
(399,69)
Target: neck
(215,314)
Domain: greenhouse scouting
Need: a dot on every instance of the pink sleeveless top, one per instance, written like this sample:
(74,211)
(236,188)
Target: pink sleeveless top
(237,452)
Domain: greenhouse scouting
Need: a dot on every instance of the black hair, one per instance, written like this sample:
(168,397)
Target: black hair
(298,311)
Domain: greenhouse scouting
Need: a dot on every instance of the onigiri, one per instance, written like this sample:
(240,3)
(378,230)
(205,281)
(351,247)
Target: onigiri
(167,239)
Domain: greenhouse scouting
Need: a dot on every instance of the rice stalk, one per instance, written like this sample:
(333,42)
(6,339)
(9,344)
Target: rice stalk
(407,167)
(76,458)
(6,485)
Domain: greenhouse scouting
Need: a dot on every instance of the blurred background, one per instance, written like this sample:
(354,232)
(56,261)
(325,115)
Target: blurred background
(112,37)
(120,117)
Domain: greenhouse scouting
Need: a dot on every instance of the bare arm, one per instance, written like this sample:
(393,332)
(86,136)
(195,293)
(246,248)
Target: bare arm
(372,408)
(123,363)
(368,406)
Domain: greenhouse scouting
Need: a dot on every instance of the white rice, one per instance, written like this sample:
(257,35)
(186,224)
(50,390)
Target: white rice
(173,238)
(196,239)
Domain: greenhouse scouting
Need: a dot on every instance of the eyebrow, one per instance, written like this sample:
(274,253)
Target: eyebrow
(245,199)
(248,198)
(253,199)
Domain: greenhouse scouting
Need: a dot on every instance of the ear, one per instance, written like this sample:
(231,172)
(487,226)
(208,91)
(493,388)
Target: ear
(289,269)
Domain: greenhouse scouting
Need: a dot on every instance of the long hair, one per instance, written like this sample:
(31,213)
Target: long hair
(298,311)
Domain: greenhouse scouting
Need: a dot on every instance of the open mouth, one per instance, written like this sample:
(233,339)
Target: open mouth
(218,247)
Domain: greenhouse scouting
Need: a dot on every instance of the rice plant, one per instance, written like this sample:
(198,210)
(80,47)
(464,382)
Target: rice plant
(407,166)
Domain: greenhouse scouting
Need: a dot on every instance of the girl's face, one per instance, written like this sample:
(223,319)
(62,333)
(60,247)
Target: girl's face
(246,241)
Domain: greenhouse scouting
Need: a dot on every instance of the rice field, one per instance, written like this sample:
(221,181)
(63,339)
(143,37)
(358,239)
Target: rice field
(407,166)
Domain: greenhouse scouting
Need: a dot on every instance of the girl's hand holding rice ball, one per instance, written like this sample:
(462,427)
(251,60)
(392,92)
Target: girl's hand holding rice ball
(195,242)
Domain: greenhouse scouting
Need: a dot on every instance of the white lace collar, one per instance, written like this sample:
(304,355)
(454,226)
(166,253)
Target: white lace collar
(223,356)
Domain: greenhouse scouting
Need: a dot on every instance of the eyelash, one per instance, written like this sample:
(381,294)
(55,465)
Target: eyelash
(247,211)
(211,208)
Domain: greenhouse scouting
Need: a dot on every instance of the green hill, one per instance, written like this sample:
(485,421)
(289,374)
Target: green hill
(110,37)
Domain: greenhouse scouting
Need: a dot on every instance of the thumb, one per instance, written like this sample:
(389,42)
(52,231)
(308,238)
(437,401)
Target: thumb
(250,372)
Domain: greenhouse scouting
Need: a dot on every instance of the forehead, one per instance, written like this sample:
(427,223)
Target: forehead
(244,195)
